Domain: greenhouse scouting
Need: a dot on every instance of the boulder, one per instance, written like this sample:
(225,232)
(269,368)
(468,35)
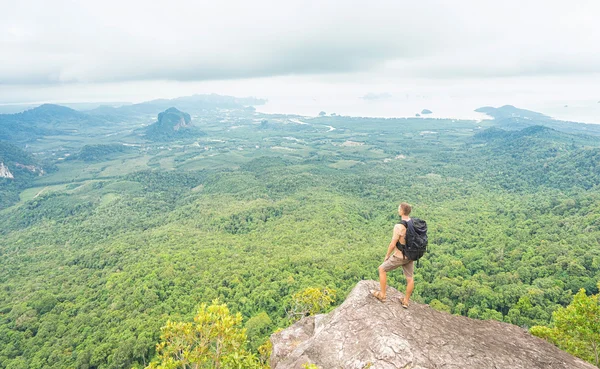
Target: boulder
(366,333)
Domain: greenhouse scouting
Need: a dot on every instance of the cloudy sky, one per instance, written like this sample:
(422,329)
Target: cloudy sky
(527,50)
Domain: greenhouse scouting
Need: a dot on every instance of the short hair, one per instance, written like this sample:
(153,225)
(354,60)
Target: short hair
(405,208)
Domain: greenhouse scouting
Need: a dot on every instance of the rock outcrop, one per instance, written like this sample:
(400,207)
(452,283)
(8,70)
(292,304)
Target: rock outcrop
(4,172)
(171,123)
(365,333)
(174,119)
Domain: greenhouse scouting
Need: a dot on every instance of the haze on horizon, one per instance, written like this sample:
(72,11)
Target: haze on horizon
(306,56)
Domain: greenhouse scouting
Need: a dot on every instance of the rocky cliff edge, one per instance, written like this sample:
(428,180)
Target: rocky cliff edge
(365,333)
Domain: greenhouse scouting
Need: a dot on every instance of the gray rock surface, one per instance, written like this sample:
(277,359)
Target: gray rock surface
(4,172)
(365,333)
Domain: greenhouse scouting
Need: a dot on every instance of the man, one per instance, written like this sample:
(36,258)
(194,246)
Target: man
(394,259)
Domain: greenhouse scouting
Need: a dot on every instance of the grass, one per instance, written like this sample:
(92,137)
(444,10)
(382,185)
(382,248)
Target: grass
(344,164)
(125,165)
(31,193)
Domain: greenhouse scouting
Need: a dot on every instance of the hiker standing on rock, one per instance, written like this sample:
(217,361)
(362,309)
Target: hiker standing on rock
(409,243)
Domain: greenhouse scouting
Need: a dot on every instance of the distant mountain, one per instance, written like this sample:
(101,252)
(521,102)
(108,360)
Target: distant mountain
(51,119)
(56,117)
(511,118)
(171,124)
(45,120)
(196,104)
(18,108)
(426,111)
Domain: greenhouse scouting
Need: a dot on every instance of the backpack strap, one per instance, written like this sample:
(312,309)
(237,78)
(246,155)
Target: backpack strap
(405,224)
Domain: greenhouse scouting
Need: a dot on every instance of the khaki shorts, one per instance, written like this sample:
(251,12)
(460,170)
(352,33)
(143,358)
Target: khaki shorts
(393,262)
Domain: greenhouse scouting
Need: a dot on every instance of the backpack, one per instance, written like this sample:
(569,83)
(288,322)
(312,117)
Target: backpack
(416,239)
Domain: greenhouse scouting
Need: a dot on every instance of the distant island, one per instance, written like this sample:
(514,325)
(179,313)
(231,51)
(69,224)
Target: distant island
(373,96)
(426,111)
(509,111)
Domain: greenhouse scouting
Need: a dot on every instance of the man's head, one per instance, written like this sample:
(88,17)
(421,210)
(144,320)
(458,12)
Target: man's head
(404,209)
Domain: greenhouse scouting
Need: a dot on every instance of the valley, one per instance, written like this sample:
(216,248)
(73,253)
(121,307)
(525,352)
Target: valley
(122,232)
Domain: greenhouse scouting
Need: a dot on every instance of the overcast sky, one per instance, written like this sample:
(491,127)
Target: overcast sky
(134,50)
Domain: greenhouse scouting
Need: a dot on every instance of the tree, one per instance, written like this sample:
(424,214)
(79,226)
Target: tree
(576,328)
(214,340)
(440,306)
(258,328)
(311,301)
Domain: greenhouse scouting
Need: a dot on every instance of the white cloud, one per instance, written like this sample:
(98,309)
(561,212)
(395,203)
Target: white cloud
(60,41)
(307,56)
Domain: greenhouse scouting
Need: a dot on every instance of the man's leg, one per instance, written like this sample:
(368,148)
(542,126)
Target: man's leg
(382,281)
(410,286)
(409,270)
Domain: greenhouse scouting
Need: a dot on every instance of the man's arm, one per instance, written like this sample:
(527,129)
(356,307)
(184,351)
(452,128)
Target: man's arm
(399,230)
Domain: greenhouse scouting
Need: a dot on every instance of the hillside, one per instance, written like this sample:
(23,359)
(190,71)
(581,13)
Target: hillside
(18,169)
(543,155)
(99,153)
(365,333)
(509,117)
(45,120)
(12,155)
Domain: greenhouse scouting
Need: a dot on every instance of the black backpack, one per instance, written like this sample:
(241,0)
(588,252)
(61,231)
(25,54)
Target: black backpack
(416,239)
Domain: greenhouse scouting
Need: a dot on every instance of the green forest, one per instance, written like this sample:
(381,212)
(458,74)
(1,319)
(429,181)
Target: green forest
(122,235)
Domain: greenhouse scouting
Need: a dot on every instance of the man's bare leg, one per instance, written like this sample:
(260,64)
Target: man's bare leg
(382,282)
(410,286)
